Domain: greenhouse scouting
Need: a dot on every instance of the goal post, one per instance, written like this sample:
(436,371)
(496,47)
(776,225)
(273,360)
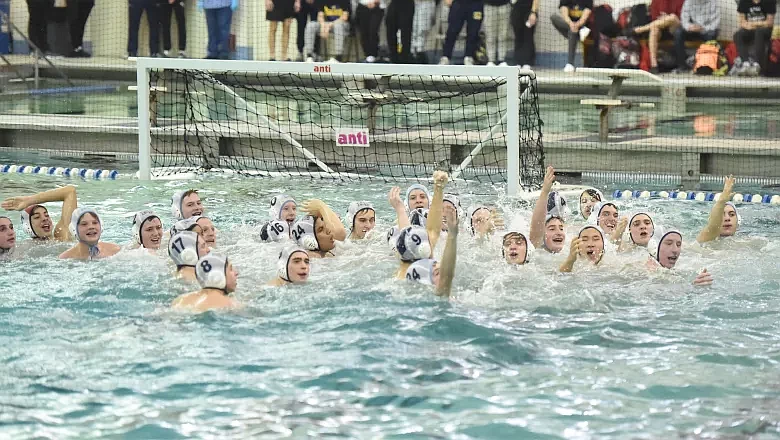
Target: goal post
(339,121)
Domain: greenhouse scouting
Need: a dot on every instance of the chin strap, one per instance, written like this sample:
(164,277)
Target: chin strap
(4,251)
(94,251)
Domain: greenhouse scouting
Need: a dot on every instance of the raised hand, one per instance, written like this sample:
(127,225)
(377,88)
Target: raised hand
(574,249)
(703,279)
(313,207)
(728,187)
(16,203)
(496,220)
(394,197)
(440,178)
(549,179)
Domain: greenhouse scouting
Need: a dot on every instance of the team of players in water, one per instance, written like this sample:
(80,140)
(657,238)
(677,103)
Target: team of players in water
(424,220)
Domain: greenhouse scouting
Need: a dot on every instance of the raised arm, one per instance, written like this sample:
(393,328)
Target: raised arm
(433,225)
(394,197)
(447,268)
(67,195)
(318,208)
(540,210)
(574,251)
(712,230)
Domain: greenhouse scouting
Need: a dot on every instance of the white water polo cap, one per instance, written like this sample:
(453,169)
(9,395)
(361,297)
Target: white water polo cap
(211,271)
(303,233)
(183,249)
(176,201)
(415,187)
(353,210)
(139,220)
(283,264)
(557,206)
(392,236)
(412,244)
(590,192)
(418,217)
(277,205)
(454,201)
(275,230)
(421,271)
(26,217)
(76,218)
(188,224)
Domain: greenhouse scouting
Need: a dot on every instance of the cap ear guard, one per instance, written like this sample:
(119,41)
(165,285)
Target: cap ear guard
(211,271)
(418,217)
(176,201)
(183,248)
(412,244)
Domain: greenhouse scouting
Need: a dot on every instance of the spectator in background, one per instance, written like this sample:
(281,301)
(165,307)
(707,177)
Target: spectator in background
(276,11)
(307,13)
(570,21)
(524,15)
(664,16)
(369,19)
(470,12)
(756,20)
(136,10)
(424,18)
(219,16)
(78,14)
(496,28)
(38,11)
(332,17)
(699,20)
(400,16)
(167,9)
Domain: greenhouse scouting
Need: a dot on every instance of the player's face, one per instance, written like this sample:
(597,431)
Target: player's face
(89,229)
(608,218)
(641,229)
(324,235)
(515,250)
(7,234)
(669,251)
(41,222)
(554,235)
(592,245)
(289,212)
(152,233)
(729,225)
(299,267)
(365,221)
(207,231)
(418,199)
(191,206)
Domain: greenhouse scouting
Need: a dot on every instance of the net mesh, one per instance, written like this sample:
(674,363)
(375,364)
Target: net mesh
(342,126)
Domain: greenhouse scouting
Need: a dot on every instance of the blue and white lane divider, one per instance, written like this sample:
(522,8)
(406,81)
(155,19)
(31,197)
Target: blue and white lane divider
(84,173)
(694,195)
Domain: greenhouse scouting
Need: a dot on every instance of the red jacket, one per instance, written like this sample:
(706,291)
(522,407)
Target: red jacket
(665,6)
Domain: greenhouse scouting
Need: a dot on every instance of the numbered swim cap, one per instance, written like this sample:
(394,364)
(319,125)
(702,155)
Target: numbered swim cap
(275,230)
(283,264)
(138,224)
(211,271)
(353,210)
(392,236)
(183,249)
(412,244)
(455,202)
(421,188)
(277,205)
(303,233)
(557,206)
(187,224)
(27,220)
(421,271)
(418,217)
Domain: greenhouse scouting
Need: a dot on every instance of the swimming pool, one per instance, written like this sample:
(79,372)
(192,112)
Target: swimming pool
(92,351)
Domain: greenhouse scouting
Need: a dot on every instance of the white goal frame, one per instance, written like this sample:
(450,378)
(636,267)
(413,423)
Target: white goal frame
(512,98)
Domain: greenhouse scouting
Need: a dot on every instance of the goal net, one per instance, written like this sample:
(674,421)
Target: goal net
(339,121)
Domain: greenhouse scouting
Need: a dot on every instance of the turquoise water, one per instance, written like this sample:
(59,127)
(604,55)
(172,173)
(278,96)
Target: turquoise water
(91,350)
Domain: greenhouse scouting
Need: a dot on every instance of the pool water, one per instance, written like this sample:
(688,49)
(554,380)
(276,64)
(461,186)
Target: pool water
(91,350)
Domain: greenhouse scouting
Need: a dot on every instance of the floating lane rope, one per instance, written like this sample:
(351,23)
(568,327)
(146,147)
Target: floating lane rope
(693,195)
(84,173)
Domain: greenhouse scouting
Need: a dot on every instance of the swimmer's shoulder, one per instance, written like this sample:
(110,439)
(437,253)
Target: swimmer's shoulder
(109,249)
(70,253)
